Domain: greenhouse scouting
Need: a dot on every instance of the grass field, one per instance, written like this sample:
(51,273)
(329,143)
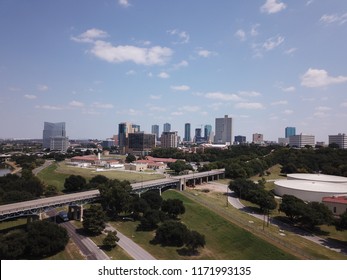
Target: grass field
(56,174)
(224,241)
(216,202)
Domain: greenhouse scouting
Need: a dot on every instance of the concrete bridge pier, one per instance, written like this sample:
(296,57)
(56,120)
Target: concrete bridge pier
(76,212)
(33,218)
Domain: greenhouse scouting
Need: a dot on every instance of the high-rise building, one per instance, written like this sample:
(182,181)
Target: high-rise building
(257,138)
(208,132)
(339,139)
(140,143)
(123,131)
(167,127)
(239,139)
(169,139)
(223,130)
(54,136)
(301,140)
(187,134)
(289,131)
(198,136)
(155,130)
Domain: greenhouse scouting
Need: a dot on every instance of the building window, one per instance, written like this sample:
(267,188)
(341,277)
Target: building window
(334,209)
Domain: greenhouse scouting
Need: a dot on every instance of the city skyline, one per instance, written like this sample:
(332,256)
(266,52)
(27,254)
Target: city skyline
(268,64)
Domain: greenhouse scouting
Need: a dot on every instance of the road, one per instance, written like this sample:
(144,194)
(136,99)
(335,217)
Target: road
(86,246)
(43,166)
(134,250)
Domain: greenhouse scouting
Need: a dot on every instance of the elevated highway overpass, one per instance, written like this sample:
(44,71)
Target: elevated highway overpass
(38,206)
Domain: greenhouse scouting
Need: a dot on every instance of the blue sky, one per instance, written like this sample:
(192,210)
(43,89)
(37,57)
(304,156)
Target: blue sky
(95,63)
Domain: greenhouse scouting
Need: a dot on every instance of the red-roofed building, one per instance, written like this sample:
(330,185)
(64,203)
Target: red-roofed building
(336,204)
(164,160)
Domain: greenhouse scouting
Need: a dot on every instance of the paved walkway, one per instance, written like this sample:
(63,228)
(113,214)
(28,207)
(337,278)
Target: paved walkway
(134,250)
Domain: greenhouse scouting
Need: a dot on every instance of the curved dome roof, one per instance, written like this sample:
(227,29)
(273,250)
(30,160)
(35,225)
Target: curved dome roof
(317,177)
(313,186)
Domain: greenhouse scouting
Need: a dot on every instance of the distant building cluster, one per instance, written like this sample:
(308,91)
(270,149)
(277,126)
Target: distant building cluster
(130,138)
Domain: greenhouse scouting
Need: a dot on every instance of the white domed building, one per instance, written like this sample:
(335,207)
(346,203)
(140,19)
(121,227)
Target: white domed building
(311,187)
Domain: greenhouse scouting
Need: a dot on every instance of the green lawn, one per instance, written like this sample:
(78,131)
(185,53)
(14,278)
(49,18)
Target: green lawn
(56,174)
(224,240)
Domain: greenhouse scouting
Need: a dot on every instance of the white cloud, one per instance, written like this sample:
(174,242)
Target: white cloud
(42,87)
(319,78)
(290,51)
(181,64)
(130,112)
(182,35)
(205,53)
(288,89)
(157,109)
(272,7)
(288,112)
(223,96)
(30,96)
(155,97)
(323,108)
(249,93)
(249,105)
(130,73)
(281,102)
(273,43)
(163,75)
(241,34)
(334,18)
(90,36)
(117,54)
(254,30)
(344,104)
(102,105)
(77,104)
(180,88)
(177,113)
(124,3)
(48,107)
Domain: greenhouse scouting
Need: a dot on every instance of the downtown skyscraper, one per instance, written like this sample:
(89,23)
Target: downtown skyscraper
(223,130)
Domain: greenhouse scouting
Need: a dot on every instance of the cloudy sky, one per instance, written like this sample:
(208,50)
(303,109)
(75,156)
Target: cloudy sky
(95,63)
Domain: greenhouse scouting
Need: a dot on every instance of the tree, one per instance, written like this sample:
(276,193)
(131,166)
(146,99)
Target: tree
(13,245)
(50,190)
(315,214)
(110,241)
(150,220)
(75,183)
(179,166)
(342,222)
(116,196)
(130,158)
(96,181)
(173,207)
(153,199)
(171,233)
(194,241)
(94,219)
(292,206)
(45,239)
